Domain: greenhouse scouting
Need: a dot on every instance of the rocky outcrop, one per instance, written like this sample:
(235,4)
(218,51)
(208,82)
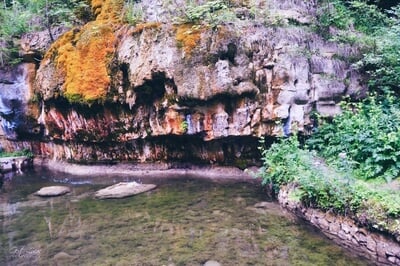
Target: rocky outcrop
(381,249)
(181,91)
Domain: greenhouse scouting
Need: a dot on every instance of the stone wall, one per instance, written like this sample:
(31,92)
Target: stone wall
(381,249)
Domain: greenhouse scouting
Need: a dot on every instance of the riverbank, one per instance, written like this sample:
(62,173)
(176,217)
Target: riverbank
(382,249)
(150,170)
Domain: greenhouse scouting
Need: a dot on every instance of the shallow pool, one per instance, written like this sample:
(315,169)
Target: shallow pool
(183,221)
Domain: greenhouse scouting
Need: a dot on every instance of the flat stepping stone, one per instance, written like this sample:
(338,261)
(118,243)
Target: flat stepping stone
(122,190)
(53,191)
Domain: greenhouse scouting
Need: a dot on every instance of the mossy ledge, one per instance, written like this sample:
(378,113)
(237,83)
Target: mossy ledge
(82,55)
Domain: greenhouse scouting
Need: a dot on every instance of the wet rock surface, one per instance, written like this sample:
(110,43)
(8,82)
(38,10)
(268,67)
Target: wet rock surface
(123,190)
(212,263)
(53,191)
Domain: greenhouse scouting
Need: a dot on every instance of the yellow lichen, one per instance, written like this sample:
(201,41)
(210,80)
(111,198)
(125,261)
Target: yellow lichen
(83,55)
(107,10)
(188,36)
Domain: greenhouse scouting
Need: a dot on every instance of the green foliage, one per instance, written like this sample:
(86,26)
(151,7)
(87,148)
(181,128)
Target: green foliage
(367,134)
(184,126)
(367,18)
(384,201)
(382,62)
(195,13)
(328,187)
(349,15)
(25,152)
(334,13)
(211,13)
(132,13)
(19,17)
(284,162)
(374,30)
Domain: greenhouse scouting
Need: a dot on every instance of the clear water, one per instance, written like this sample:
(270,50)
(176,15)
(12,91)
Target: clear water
(183,222)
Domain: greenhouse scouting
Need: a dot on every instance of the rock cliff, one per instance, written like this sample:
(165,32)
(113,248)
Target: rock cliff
(172,87)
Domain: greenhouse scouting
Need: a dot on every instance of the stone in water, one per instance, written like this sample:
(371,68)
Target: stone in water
(53,191)
(122,190)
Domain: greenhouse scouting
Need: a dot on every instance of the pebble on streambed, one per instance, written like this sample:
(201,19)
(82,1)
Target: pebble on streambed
(122,190)
(52,191)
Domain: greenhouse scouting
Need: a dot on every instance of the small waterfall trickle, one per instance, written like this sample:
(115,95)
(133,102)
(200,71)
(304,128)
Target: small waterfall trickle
(41,119)
(190,128)
(14,98)
(6,123)
(287,127)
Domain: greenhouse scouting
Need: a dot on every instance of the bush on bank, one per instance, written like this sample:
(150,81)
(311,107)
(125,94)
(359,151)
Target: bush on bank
(330,187)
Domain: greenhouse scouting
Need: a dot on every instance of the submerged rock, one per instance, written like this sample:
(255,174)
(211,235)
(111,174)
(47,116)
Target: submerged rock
(264,205)
(122,190)
(53,191)
(212,263)
(62,256)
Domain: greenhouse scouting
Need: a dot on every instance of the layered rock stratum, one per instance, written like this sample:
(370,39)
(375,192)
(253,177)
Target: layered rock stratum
(170,88)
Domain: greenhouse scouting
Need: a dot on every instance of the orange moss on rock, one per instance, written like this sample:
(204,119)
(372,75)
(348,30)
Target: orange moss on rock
(139,28)
(188,37)
(83,55)
(107,10)
(85,64)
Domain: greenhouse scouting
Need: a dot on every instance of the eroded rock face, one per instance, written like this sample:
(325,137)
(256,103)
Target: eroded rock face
(238,81)
(242,79)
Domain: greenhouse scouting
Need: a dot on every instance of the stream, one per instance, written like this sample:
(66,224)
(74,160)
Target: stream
(184,221)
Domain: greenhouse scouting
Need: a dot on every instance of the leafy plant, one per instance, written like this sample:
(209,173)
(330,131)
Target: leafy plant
(184,126)
(382,62)
(369,136)
(334,13)
(132,13)
(25,152)
(285,162)
(19,17)
(328,187)
(194,13)
(348,16)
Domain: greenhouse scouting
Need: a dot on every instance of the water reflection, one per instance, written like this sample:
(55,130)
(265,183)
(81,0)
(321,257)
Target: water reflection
(182,222)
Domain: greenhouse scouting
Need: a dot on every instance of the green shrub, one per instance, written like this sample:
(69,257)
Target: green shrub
(382,63)
(24,152)
(285,162)
(327,187)
(367,134)
(132,13)
(19,17)
(195,13)
(367,18)
(334,13)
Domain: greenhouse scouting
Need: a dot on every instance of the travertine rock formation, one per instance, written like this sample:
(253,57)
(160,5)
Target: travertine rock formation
(184,92)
